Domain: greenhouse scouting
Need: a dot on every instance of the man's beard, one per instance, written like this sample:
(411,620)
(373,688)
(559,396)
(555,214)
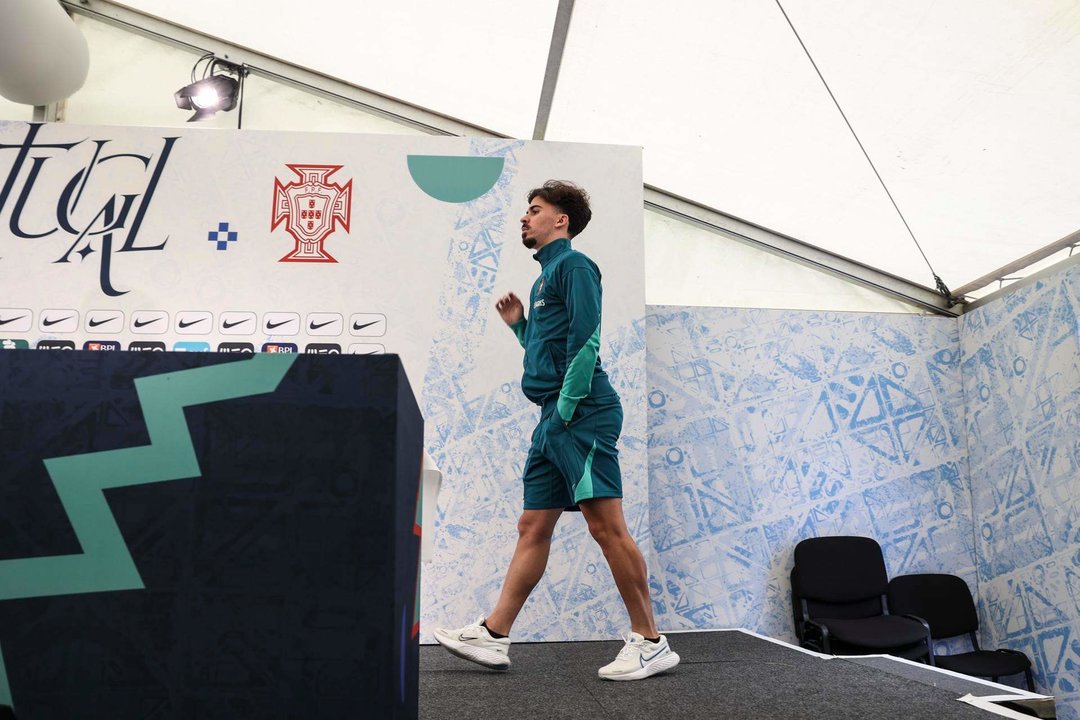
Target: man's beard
(529,242)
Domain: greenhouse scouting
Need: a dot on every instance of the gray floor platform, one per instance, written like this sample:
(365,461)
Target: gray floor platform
(726,674)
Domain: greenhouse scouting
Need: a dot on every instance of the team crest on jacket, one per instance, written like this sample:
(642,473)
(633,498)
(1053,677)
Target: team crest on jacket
(312,209)
(539,295)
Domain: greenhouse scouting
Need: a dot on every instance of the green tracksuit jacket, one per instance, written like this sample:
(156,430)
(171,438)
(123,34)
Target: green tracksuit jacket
(561,335)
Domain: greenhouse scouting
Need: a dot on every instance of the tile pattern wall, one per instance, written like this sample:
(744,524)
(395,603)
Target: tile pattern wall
(767,427)
(1021,369)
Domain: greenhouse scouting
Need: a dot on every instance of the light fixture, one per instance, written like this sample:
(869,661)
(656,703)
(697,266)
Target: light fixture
(219,90)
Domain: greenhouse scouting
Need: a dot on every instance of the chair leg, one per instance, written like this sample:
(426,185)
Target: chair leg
(928,658)
(1030,680)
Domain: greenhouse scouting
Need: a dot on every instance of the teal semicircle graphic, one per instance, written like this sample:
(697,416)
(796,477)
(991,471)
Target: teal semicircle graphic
(455,178)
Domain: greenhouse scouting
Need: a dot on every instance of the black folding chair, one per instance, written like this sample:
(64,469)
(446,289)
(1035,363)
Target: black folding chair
(838,590)
(945,602)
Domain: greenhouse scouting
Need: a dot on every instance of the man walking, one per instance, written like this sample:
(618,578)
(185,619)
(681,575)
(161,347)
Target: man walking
(573,463)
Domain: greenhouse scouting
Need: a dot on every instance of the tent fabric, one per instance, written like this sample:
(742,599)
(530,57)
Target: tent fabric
(964,108)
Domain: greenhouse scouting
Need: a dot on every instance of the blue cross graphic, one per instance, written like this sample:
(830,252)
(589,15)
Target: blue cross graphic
(222,236)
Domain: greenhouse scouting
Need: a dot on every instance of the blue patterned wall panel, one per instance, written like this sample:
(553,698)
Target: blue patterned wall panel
(1021,373)
(767,427)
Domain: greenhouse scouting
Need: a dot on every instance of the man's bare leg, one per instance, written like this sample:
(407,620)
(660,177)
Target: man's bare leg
(608,527)
(535,528)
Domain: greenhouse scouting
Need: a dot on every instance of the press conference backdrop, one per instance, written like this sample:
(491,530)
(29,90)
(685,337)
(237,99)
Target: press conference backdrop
(141,238)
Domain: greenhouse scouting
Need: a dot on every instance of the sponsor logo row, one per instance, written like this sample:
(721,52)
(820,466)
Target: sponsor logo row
(196,346)
(194,322)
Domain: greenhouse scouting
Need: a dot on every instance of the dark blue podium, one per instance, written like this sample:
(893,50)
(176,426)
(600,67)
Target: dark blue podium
(196,536)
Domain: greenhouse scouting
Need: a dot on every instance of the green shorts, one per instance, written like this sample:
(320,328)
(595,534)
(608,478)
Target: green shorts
(575,462)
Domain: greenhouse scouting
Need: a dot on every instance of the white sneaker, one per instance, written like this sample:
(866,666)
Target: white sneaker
(640,659)
(475,643)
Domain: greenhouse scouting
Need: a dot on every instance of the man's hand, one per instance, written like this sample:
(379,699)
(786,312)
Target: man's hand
(510,308)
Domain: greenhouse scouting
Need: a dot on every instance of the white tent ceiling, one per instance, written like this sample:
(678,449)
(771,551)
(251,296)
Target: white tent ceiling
(967,108)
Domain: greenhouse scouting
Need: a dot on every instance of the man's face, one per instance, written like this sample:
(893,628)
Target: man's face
(542,223)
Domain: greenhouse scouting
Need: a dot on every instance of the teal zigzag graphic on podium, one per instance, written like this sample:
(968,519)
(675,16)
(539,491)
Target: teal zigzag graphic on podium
(105,562)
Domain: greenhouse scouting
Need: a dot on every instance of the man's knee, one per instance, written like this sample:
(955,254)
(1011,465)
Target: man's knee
(605,519)
(535,528)
(606,531)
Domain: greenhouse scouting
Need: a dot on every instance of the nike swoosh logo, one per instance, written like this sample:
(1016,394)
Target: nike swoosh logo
(11,320)
(183,324)
(49,321)
(144,323)
(225,324)
(94,323)
(647,659)
(271,326)
(470,637)
(361,327)
(313,326)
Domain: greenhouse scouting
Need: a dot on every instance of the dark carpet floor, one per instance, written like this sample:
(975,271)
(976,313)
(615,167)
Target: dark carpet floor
(722,675)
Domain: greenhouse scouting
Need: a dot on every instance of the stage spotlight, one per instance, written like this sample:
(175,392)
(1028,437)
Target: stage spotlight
(208,96)
(217,91)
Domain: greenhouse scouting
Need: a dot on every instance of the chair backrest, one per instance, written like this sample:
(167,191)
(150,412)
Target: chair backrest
(943,601)
(840,569)
(839,577)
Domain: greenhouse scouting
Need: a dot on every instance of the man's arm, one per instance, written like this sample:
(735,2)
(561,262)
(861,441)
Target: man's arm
(513,314)
(582,293)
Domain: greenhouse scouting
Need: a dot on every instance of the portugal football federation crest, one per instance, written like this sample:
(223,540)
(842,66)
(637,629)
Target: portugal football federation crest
(311,210)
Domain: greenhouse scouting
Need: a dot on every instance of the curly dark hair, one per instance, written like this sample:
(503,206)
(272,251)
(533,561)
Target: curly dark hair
(570,199)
